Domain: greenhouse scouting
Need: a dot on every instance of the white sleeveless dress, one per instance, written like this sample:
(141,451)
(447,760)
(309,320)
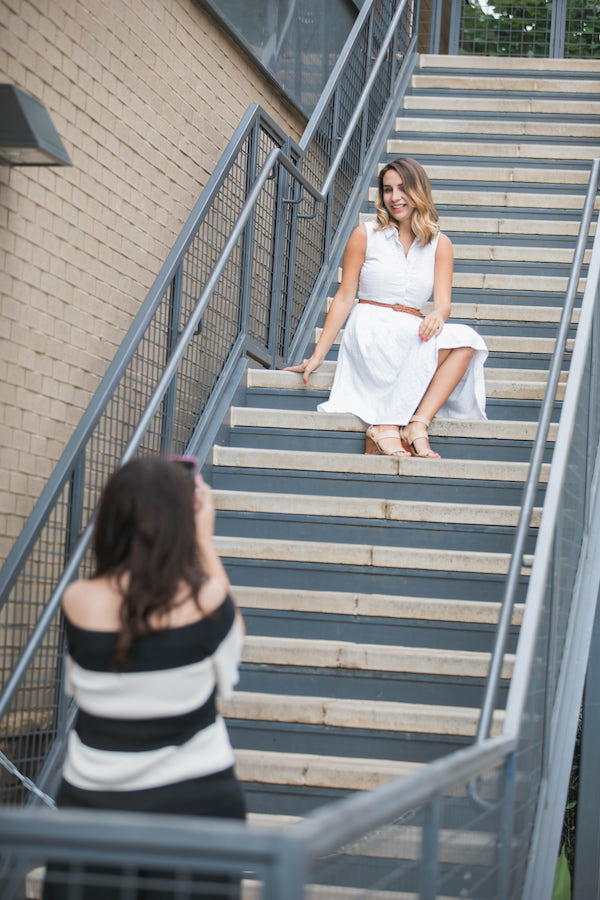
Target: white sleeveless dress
(383,366)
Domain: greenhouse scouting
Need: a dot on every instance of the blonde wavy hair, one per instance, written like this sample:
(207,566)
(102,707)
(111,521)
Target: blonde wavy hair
(417,187)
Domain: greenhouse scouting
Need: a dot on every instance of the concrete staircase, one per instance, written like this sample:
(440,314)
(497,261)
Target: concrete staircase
(370,586)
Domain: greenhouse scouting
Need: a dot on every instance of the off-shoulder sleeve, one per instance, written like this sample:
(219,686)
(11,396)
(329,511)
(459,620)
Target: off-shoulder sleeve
(226,660)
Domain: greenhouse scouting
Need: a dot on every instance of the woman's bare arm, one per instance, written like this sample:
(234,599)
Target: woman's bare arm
(442,289)
(212,591)
(342,303)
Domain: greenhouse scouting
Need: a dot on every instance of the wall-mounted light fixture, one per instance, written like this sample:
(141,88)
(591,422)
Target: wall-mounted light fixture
(27,135)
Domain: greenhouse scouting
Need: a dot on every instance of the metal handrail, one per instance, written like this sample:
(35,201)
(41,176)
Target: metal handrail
(345,820)
(537,455)
(358,112)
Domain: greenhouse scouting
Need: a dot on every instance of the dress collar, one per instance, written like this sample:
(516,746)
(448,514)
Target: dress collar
(391,233)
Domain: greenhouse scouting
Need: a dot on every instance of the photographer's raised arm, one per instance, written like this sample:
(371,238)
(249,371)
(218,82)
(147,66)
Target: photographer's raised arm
(341,305)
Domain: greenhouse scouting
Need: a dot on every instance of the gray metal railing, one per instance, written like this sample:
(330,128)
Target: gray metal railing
(246,277)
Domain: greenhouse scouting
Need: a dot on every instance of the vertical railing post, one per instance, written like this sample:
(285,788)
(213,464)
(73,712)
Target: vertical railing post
(429,848)
(557,29)
(167,430)
(280,230)
(365,113)
(505,830)
(287,874)
(593,408)
(248,238)
(290,268)
(435,33)
(553,586)
(335,114)
(455,24)
(74,525)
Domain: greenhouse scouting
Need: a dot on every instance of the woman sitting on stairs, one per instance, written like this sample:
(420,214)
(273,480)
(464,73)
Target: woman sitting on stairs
(397,368)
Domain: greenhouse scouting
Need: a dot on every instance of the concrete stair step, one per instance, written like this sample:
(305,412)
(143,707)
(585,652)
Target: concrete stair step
(366,555)
(489,198)
(502,126)
(505,386)
(362,464)
(264,378)
(363,657)
(333,892)
(500,282)
(503,312)
(498,312)
(495,343)
(259,417)
(520,84)
(307,505)
(541,66)
(304,769)
(507,254)
(583,153)
(359,605)
(511,254)
(489,174)
(455,846)
(376,715)
(515,226)
(506,106)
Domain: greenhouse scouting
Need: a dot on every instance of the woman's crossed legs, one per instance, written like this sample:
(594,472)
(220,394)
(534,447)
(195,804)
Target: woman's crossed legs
(412,439)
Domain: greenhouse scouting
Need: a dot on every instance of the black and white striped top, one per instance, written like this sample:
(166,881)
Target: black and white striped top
(155,722)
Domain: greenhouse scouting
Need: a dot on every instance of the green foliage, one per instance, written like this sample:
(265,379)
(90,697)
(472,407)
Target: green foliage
(562,879)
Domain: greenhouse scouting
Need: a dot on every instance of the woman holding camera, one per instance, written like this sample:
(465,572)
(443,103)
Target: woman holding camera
(153,640)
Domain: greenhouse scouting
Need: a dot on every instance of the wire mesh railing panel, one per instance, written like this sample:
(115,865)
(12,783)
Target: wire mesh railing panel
(80,882)
(506,28)
(582,30)
(446,847)
(33,721)
(262,262)
(427,16)
(91,854)
(470,862)
(529,758)
(382,862)
(541,28)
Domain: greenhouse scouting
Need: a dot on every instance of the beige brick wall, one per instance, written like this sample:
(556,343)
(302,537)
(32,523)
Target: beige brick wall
(145,95)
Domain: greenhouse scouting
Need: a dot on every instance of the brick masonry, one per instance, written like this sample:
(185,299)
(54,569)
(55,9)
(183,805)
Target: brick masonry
(145,95)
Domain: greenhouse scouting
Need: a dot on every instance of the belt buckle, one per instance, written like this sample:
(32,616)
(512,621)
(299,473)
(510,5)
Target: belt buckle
(397,307)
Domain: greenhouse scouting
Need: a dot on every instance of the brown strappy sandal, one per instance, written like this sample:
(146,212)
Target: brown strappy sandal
(375,443)
(429,453)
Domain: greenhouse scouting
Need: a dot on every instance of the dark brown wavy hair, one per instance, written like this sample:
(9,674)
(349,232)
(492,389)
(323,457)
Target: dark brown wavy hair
(417,187)
(145,537)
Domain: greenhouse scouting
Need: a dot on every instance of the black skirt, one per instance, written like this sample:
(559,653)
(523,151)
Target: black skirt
(217,796)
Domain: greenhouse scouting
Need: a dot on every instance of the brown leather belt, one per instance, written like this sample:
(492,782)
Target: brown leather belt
(396,307)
